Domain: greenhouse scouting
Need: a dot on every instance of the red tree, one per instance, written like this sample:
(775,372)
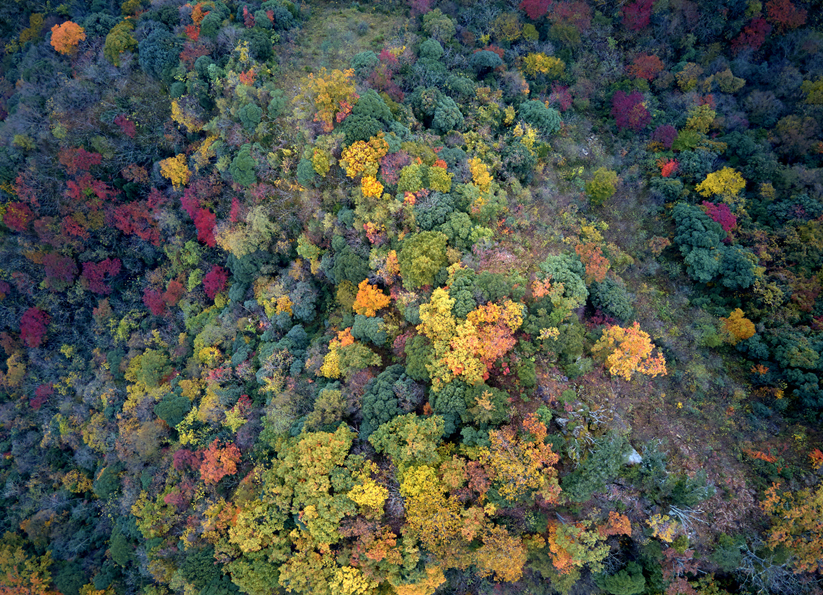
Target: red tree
(535,9)
(94,273)
(646,66)
(127,127)
(784,15)
(153,300)
(134,218)
(721,214)
(174,291)
(219,462)
(18,216)
(665,135)
(33,327)
(77,159)
(215,281)
(60,271)
(752,37)
(637,15)
(204,220)
(629,111)
(41,395)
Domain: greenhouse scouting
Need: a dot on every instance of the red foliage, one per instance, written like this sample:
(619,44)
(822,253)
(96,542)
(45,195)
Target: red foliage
(578,14)
(134,218)
(668,168)
(174,291)
(5,288)
(41,395)
(186,458)
(127,127)
(247,78)
(492,48)
(234,213)
(721,214)
(629,112)
(248,18)
(18,216)
(535,9)
(191,51)
(219,462)
(79,190)
(665,135)
(215,281)
(192,32)
(381,79)
(60,271)
(70,227)
(752,37)
(33,327)
(391,164)
(637,15)
(205,221)
(646,66)
(25,190)
(77,159)
(560,97)
(153,300)
(94,273)
(784,15)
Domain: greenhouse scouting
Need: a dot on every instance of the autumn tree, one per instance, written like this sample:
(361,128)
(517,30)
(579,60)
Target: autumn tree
(66,36)
(726,183)
(369,299)
(328,95)
(629,110)
(22,573)
(738,326)
(175,170)
(646,66)
(796,525)
(218,462)
(33,327)
(628,350)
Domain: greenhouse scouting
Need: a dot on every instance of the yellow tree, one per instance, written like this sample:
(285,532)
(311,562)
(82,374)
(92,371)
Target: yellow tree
(175,170)
(797,525)
(629,350)
(738,326)
(369,299)
(726,183)
(327,95)
(66,36)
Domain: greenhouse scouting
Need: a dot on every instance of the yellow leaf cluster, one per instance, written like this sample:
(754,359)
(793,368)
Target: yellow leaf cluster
(351,581)
(629,351)
(727,183)
(480,174)
(371,187)
(663,527)
(540,63)
(369,299)
(738,326)
(175,170)
(364,157)
(326,93)
(369,494)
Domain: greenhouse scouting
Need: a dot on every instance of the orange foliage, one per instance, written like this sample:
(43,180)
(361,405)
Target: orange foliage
(618,524)
(667,168)
(219,462)
(738,326)
(629,351)
(65,37)
(756,454)
(796,525)
(592,258)
(646,67)
(369,299)
(817,459)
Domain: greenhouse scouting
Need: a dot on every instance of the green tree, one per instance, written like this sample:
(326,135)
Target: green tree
(602,186)
(409,439)
(422,256)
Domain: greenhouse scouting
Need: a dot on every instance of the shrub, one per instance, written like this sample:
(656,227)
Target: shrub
(545,119)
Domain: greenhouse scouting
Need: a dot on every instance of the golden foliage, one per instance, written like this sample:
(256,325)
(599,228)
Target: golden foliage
(629,351)
(540,63)
(369,299)
(175,170)
(66,36)
(727,183)
(738,326)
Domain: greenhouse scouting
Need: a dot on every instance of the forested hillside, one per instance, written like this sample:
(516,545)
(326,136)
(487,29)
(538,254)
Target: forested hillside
(411,297)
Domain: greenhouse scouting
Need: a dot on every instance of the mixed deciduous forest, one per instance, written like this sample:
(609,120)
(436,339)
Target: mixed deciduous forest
(411,297)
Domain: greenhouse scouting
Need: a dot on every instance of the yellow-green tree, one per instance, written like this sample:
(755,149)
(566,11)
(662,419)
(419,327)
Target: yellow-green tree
(796,525)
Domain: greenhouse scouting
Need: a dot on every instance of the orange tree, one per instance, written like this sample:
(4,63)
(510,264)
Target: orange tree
(797,525)
(66,36)
(629,350)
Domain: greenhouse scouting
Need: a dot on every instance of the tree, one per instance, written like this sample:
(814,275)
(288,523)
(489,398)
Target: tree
(646,66)
(726,183)
(535,9)
(785,15)
(629,351)
(545,119)
(66,36)
(738,326)
(33,327)
(94,273)
(602,185)
(215,281)
(796,525)
(218,462)
(501,554)
(422,256)
(636,16)
(326,96)
(118,41)
(21,573)
(175,170)
(629,110)
(409,439)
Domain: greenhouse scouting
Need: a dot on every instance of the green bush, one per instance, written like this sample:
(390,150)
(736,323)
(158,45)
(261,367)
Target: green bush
(535,113)
(364,63)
